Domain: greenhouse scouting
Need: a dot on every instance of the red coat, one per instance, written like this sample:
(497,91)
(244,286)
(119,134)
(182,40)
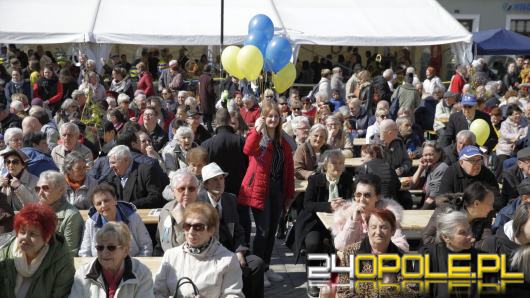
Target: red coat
(250,116)
(146,84)
(457,83)
(255,187)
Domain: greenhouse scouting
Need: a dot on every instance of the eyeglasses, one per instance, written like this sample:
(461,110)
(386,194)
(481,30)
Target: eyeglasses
(43,187)
(110,248)
(12,162)
(198,227)
(367,195)
(189,188)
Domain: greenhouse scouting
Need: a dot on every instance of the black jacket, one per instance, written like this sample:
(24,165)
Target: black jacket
(390,184)
(455,180)
(158,138)
(381,84)
(396,155)
(451,156)
(316,200)
(11,120)
(458,122)
(511,177)
(226,149)
(143,187)
(201,135)
(359,123)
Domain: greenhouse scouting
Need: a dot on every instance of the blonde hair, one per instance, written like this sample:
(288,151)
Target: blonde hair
(118,229)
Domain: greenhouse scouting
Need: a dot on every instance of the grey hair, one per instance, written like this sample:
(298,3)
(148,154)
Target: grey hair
(190,100)
(91,62)
(468,135)
(11,132)
(140,96)
(118,229)
(179,174)
(68,103)
(71,159)
(183,131)
(385,125)
(522,214)
(447,222)
(521,261)
(332,118)
(17,106)
(437,89)
(56,179)
(345,111)
(401,120)
(121,152)
(295,123)
(388,73)
(182,92)
(318,126)
(76,93)
(249,97)
(70,126)
(123,97)
(329,155)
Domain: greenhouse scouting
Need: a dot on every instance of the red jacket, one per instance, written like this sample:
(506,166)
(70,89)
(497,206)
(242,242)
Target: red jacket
(457,83)
(146,84)
(250,116)
(255,187)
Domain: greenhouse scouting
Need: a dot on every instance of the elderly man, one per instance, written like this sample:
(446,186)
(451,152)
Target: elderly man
(51,190)
(170,231)
(139,104)
(251,111)
(512,176)
(443,112)
(69,133)
(137,183)
(506,214)
(394,151)
(36,148)
(30,124)
(231,233)
(300,126)
(7,119)
(452,152)
(169,75)
(358,118)
(470,168)
(462,120)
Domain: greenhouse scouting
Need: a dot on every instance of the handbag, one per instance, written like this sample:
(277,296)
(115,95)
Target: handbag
(185,280)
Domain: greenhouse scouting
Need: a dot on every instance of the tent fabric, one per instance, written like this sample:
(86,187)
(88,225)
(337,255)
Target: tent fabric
(500,42)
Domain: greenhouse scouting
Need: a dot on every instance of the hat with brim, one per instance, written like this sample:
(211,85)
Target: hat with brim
(449,94)
(524,187)
(469,151)
(192,113)
(212,170)
(523,153)
(12,151)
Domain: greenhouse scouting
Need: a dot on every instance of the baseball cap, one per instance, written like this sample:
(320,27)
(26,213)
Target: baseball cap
(469,100)
(468,152)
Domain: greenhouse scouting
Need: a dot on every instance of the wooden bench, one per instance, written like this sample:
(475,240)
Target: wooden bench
(359,141)
(354,162)
(153,263)
(412,224)
(149,216)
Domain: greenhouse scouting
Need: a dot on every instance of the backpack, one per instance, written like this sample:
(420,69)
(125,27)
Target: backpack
(394,104)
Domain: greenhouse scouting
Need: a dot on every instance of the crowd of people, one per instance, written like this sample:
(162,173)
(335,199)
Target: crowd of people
(214,163)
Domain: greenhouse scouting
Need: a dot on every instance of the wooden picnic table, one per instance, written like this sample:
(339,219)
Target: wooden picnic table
(149,216)
(412,224)
(354,162)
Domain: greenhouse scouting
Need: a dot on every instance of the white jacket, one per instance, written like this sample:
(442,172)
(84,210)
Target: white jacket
(137,281)
(215,272)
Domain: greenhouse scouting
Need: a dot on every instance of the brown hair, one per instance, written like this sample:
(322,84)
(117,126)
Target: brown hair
(266,108)
(204,209)
(496,111)
(197,155)
(385,215)
(373,150)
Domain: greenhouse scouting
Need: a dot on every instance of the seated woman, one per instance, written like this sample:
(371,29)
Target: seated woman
(113,272)
(476,203)
(382,225)
(196,159)
(211,267)
(453,235)
(174,153)
(373,130)
(77,180)
(106,209)
(307,156)
(350,223)
(512,131)
(373,163)
(37,262)
(17,184)
(429,174)
(337,137)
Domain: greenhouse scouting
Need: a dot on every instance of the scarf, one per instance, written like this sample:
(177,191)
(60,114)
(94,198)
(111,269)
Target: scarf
(197,250)
(23,269)
(333,188)
(73,185)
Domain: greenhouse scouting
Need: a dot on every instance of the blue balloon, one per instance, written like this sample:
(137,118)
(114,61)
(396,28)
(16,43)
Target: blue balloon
(278,53)
(263,24)
(257,39)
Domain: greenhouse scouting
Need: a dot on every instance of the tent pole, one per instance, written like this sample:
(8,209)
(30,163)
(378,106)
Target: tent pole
(222,43)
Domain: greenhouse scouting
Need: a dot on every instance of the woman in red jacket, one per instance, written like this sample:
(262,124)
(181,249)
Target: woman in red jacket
(49,89)
(268,186)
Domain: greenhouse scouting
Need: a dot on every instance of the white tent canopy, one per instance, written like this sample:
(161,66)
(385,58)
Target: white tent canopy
(197,22)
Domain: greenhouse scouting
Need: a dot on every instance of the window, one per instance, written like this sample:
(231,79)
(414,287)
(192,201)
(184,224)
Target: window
(519,24)
(469,21)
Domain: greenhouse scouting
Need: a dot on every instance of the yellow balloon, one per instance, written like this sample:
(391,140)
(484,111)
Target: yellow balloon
(481,129)
(229,61)
(284,78)
(250,61)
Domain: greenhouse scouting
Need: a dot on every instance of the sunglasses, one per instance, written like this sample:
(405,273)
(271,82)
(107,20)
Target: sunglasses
(198,227)
(43,187)
(110,248)
(189,188)
(12,162)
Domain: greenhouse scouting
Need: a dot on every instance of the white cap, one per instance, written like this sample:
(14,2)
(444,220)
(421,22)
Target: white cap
(212,170)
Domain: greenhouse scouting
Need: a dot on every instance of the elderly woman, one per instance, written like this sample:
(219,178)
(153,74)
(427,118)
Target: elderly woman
(307,156)
(69,111)
(78,183)
(113,273)
(513,130)
(37,262)
(350,223)
(337,137)
(107,209)
(13,137)
(453,235)
(174,153)
(326,192)
(373,163)
(373,130)
(121,83)
(382,225)
(476,203)
(429,174)
(213,269)
(51,191)
(17,184)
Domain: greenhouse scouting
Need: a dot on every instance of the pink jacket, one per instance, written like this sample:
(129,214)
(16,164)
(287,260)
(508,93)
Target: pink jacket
(347,231)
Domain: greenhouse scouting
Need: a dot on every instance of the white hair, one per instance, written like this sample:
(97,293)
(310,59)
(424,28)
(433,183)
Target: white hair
(388,73)
(183,131)
(411,70)
(182,93)
(120,152)
(179,175)
(122,97)
(35,109)
(71,127)
(10,133)
(111,101)
(295,123)
(140,96)
(16,106)
(56,179)
(345,111)
(68,103)
(447,222)
(190,101)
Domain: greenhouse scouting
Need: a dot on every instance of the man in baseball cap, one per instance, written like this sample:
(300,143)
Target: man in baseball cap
(231,233)
(513,175)
(506,214)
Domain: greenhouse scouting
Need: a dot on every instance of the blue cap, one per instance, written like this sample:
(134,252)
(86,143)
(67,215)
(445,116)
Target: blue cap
(468,152)
(469,99)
